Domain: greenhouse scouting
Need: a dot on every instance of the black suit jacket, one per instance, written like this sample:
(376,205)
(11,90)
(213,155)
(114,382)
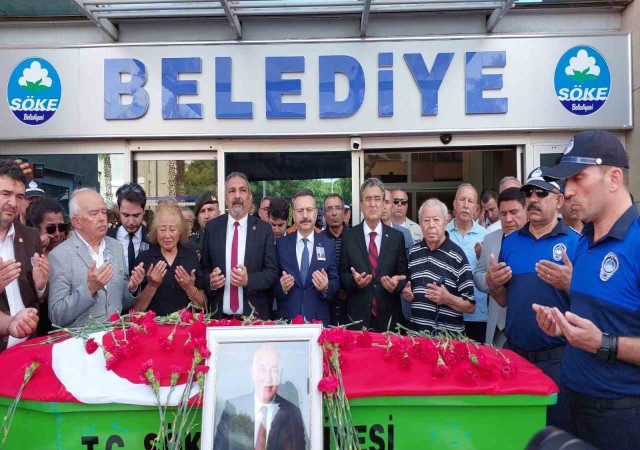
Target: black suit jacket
(26,242)
(259,259)
(392,260)
(235,430)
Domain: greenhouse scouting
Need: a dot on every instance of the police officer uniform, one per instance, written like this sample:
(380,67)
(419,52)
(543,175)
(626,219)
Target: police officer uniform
(521,250)
(196,238)
(604,392)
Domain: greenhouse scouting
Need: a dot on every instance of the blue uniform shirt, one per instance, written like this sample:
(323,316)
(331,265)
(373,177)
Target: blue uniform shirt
(606,291)
(467,244)
(521,251)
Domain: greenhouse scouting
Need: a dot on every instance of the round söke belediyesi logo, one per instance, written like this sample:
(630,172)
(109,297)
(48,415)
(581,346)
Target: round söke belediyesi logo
(582,80)
(34,91)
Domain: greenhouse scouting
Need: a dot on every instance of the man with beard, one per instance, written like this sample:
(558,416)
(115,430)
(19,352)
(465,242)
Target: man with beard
(24,271)
(308,267)
(511,205)
(275,423)
(537,269)
(467,234)
(89,276)
(238,256)
(373,264)
(131,234)
(600,368)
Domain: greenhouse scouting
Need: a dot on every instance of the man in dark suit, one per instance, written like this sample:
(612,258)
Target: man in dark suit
(131,233)
(262,419)
(24,271)
(307,264)
(238,256)
(373,264)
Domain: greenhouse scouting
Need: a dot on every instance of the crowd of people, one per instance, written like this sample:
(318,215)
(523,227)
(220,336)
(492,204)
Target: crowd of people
(546,269)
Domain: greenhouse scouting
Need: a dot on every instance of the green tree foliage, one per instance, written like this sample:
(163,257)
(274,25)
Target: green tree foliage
(286,188)
(199,177)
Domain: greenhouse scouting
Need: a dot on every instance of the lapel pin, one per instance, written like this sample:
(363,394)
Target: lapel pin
(254,228)
(386,235)
(20,240)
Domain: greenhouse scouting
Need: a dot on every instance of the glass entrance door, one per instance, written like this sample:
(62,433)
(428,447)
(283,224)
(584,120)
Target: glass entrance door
(180,175)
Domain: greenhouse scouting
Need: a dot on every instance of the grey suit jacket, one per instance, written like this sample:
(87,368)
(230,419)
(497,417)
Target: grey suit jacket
(497,314)
(70,303)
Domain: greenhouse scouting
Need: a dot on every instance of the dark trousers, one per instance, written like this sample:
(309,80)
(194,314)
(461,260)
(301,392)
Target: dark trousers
(550,362)
(338,312)
(476,331)
(606,426)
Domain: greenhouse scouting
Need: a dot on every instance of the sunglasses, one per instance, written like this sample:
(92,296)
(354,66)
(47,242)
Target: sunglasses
(540,193)
(62,228)
(129,188)
(399,201)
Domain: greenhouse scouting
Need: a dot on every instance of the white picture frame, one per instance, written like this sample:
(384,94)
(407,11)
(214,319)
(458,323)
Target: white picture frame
(242,359)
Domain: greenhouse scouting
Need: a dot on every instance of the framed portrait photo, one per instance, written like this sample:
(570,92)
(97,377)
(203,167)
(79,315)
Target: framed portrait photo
(261,392)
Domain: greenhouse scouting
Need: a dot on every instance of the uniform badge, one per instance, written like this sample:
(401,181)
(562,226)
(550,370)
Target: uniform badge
(558,249)
(320,254)
(609,266)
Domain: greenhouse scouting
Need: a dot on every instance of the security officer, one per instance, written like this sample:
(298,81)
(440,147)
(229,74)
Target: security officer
(535,267)
(600,366)
(207,207)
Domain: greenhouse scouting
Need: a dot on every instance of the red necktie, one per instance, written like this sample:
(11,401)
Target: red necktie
(261,439)
(233,294)
(373,259)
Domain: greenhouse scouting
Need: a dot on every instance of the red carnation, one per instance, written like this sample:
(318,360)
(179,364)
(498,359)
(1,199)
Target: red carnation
(198,329)
(364,339)
(509,371)
(150,326)
(202,369)
(90,346)
(204,351)
(329,384)
(115,317)
(235,322)
(441,370)
(186,316)
(298,320)
(167,343)
(469,376)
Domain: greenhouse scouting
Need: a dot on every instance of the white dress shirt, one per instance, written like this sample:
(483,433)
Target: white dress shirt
(271,410)
(242,243)
(367,238)
(300,248)
(13,289)
(123,236)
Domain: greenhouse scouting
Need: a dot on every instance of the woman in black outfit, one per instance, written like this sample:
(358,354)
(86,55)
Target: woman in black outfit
(172,280)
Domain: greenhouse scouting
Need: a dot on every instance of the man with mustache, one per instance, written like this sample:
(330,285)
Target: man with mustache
(262,419)
(334,216)
(600,368)
(373,264)
(466,233)
(89,275)
(307,265)
(535,267)
(238,256)
(24,270)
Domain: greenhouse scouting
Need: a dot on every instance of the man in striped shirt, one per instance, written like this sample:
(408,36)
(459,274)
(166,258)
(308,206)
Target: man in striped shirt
(441,282)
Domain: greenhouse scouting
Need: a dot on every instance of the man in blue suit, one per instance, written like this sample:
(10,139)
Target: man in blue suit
(307,264)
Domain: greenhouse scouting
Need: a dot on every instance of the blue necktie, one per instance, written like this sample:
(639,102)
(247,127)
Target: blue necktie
(304,261)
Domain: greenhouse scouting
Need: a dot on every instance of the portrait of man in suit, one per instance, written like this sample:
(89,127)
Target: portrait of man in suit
(307,265)
(262,419)
(373,264)
(238,256)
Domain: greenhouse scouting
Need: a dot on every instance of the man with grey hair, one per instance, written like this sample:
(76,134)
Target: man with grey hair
(468,234)
(373,264)
(440,288)
(89,277)
(238,256)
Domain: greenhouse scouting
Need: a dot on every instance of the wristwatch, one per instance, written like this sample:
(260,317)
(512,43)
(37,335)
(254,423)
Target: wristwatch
(609,348)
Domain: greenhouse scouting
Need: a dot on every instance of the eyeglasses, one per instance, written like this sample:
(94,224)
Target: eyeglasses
(540,193)
(399,201)
(131,187)
(62,228)
(303,210)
